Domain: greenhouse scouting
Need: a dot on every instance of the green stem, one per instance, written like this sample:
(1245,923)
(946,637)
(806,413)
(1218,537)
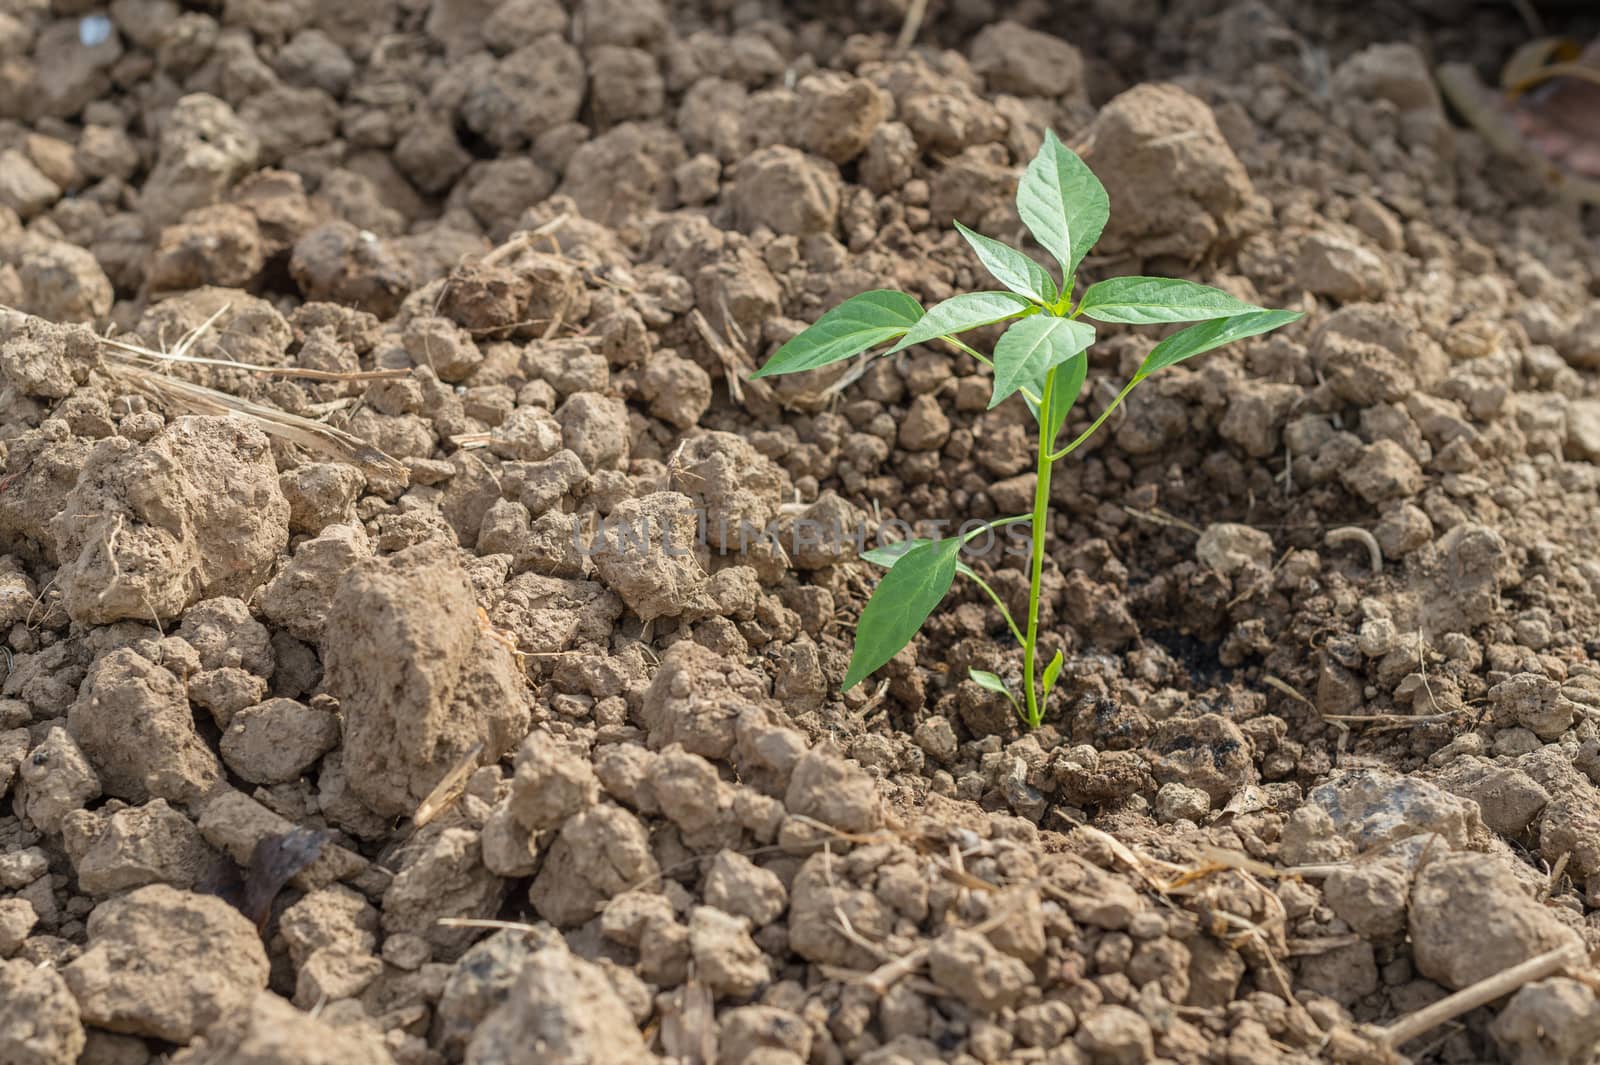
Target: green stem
(962,345)
(1000,523)
(1087,433)
(1010,623)
(981,583)
(1041,518)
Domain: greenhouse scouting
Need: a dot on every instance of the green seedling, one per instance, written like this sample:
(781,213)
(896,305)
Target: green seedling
(1042,356)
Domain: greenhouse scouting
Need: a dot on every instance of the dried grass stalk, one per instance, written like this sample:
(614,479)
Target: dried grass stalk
(314,436)
(136,366)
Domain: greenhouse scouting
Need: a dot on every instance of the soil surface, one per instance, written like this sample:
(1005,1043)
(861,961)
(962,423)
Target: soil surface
(375,737)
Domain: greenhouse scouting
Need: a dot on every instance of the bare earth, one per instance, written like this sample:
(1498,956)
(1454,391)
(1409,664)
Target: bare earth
(361,743)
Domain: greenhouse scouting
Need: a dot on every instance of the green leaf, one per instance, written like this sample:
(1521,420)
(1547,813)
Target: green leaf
(1063,204)
(1051,673)
(960,313)
(1198,339)
(989,681)
(1069,383)
(1032,348)
(1146,300)
(1011,268)
(904,598)
(886,555)
(857,324)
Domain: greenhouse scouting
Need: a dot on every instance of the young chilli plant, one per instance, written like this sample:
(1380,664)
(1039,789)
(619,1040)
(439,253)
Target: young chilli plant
(1042,356)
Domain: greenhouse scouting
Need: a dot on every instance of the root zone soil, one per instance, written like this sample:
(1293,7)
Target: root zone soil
(346,716)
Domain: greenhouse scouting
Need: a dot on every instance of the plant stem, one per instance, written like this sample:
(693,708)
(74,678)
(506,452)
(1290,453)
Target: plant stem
(981,583)
(1041,518)
(995,596)
(999,523)
(962,345)
(1087,433)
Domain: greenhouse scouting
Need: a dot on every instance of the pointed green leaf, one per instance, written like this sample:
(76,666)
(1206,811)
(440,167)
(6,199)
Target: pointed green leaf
(1063,204)
(1033,347)
(1198,339)
(886,555)
(961,313)
(904,598)
(990,682)
(1069,383)
(1146,300)
(1051,673)
(1011,268)
(857,324)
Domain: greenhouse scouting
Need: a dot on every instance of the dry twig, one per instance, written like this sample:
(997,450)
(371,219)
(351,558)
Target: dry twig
(313,436)
(1157,516)
(486,922)
(735,365)
(885,976)
(1356,534)
(1391,721)
(134,366)
(1470,998)
(846,929)
(524,239)
(448,789)
(149,356)
(916,11)
(1283,686)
